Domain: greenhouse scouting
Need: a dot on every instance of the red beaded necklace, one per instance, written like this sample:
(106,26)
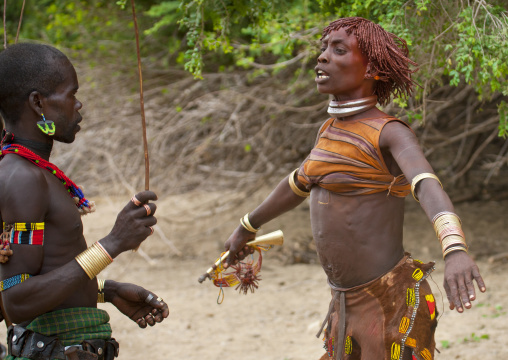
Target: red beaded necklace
(83,205)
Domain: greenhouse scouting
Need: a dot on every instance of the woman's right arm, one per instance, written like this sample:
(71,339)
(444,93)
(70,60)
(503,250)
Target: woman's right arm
(280,200)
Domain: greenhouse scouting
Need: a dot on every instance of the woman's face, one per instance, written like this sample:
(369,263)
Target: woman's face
(342,67)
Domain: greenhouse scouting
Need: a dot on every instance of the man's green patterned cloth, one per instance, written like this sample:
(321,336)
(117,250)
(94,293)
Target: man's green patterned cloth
(72,326)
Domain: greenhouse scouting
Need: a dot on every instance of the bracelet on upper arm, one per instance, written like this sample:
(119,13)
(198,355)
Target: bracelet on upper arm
(94,259)
(419,178)
(448,229)
(13,280)
(295,188)
(24,233)
(100,290)
(246,224)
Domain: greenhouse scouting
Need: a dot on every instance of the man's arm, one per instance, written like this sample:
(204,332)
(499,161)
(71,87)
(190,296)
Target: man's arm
(460,269)
(135,302)
(48,290)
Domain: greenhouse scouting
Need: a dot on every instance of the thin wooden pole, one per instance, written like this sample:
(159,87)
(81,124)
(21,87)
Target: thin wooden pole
(20,20)
(5,31)
(142,103)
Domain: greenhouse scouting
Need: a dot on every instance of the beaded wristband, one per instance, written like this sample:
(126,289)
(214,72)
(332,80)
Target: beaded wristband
(94,259)
(295,188)
(246,224)
(419,178)
(100,290)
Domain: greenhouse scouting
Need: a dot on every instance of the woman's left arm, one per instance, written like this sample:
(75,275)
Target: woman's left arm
(460,270)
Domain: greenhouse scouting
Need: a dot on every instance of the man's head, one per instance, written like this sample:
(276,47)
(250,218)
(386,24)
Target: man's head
(25,68)
(34,80)
(386,53)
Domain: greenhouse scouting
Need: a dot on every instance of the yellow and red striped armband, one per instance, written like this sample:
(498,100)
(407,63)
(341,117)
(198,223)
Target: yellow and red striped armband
(25,233)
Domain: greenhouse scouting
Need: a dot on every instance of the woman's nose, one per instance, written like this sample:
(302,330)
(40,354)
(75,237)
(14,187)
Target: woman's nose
(322,58)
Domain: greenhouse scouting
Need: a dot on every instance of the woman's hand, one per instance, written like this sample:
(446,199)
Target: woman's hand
(460,270)
(236,244)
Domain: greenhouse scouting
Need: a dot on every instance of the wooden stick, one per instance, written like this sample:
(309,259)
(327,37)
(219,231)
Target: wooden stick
(5,31)
(142,103)
(20,19)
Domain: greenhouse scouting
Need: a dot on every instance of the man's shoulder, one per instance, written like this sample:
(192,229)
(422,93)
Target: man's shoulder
(17,174)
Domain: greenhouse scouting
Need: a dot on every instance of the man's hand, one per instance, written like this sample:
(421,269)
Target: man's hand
(133,224)
(5,254)
(137,303)
(460,270)
(236,246)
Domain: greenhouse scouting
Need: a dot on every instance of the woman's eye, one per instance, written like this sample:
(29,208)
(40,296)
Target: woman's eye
(322,49)
(340,51)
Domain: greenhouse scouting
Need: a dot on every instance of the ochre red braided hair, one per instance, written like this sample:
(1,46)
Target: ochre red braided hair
(386,52)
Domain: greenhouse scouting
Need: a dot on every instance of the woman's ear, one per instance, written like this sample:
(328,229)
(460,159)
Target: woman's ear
(369,72)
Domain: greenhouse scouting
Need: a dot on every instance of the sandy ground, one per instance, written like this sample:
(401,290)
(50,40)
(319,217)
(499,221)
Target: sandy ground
(281,319)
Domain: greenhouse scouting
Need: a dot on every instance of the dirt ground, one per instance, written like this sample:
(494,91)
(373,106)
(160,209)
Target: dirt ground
(279,321)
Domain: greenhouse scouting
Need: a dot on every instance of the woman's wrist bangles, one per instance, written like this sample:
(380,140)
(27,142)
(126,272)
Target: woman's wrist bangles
(419,178)
(100,290)
(94,259)
(295,188)
(246,224)
(448,229)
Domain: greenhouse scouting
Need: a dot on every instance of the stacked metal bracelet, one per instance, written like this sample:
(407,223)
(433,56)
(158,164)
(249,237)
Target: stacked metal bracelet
(419,178)
(295,188)
(449,232)
(246,224)
(94,259)
(100,290)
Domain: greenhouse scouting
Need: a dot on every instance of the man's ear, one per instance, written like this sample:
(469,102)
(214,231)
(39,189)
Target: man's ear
(35,100)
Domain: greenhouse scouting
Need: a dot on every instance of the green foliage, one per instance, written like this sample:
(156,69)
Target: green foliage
(503,119)
(445,344)
(455,42)
(476,338)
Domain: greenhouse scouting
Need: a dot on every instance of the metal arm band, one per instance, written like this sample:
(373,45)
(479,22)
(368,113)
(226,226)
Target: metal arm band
(93,260)
(246,224)
(295,188)
(100,290)
(419,178)
(449,232)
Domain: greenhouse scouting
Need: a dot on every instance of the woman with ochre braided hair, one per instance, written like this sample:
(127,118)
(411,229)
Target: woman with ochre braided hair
(363,164)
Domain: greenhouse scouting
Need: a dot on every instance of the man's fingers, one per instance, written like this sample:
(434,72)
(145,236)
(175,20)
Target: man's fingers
(146,210)
(147,221)
(145,196)
(150,319)
(141,323)
(479,279)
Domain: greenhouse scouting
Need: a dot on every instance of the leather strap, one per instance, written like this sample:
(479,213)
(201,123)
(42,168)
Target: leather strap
(29,344)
